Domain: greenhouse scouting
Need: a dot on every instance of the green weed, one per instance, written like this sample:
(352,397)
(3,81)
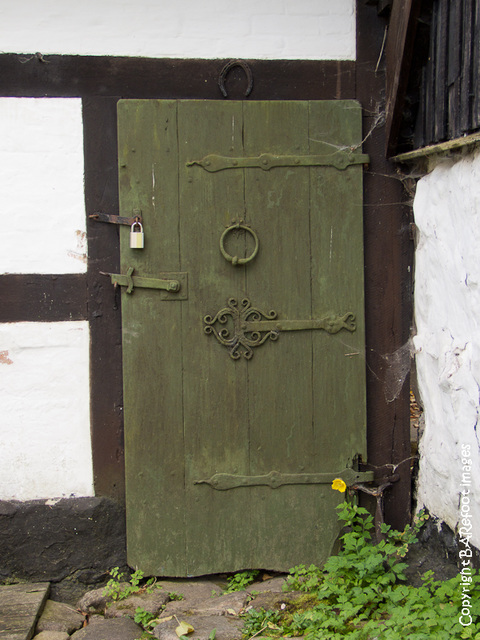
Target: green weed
(240,581)
(361,593)
(117,589)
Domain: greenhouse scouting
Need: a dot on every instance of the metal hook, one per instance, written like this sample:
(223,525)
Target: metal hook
(223,75)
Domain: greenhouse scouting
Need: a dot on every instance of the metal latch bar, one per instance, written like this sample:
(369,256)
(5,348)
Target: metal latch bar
(275,479)
(99,216)
(176,284)
(266,161)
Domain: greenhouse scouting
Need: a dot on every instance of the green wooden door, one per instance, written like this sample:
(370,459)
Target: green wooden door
(245,382)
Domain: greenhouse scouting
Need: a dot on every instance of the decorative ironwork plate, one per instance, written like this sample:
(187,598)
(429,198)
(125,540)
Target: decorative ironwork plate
(236,334)
(240,329)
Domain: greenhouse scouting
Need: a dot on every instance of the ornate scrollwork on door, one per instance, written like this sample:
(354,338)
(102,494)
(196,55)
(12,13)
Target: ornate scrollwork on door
(242,328)
(229,326)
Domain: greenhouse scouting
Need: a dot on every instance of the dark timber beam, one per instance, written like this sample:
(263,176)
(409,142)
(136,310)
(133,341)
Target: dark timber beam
(42,298)
(388,283)
(398,54)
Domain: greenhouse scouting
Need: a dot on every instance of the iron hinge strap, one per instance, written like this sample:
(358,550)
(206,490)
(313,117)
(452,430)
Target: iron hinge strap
(275,479)
(266,161)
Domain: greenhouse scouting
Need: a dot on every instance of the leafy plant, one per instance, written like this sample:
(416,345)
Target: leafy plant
(143,618)
(361,593)
(117,589)
(256,621)
(240,580)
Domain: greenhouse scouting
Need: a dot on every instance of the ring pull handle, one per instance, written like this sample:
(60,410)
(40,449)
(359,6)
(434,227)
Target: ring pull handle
(235,260)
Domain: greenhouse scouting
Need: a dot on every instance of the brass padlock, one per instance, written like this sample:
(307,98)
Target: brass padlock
(137,237)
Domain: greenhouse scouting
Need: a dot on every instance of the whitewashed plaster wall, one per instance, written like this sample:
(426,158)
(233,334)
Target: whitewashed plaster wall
(44,428)
(44,422)
(45,447)
(447,313)
(41,179)
(270,29)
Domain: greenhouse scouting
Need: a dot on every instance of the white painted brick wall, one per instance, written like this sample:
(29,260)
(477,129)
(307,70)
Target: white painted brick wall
(41,186)
(44,419)
(270,29)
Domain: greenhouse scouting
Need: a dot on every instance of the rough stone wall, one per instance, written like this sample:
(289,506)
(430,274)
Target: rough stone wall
(447,315)
(72,543)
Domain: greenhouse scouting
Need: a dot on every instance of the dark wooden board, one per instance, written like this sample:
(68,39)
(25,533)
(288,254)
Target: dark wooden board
(42,298)
(466,72)
(398,53)
(476,67)
(101,194)
(81,76)
(388,285)
(450,85)
(439,45)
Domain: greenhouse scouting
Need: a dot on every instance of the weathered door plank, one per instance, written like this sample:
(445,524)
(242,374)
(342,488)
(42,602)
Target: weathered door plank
(154,440)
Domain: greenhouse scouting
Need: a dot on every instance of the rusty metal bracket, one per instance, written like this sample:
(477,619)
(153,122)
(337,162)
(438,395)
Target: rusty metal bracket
(223,76)
(114,219)
(377,493)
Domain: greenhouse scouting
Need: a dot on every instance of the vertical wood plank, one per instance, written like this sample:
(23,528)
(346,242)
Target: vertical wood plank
(337,284)
(215,394)
(466,95)
(106,398)
(476,67)
(154,439)
(388,259)
(454,67)
(280,379)
(437,110)
(398,54)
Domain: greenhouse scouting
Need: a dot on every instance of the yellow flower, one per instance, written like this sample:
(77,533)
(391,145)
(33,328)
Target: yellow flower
(339,485)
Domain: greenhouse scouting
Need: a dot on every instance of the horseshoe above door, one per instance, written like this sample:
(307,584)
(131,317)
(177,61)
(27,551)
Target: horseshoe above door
(223,76)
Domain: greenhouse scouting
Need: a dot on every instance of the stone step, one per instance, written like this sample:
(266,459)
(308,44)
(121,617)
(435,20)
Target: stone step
(20,607)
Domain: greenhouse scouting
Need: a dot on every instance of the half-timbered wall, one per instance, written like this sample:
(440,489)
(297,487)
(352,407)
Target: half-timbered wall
(44,338)
(350,67)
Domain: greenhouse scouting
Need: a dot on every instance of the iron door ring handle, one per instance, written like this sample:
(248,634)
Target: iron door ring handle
(235,260)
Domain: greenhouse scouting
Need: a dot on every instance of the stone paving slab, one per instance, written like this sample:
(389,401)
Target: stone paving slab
(58,616)
(20,608)
(112,629)
(226,628)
